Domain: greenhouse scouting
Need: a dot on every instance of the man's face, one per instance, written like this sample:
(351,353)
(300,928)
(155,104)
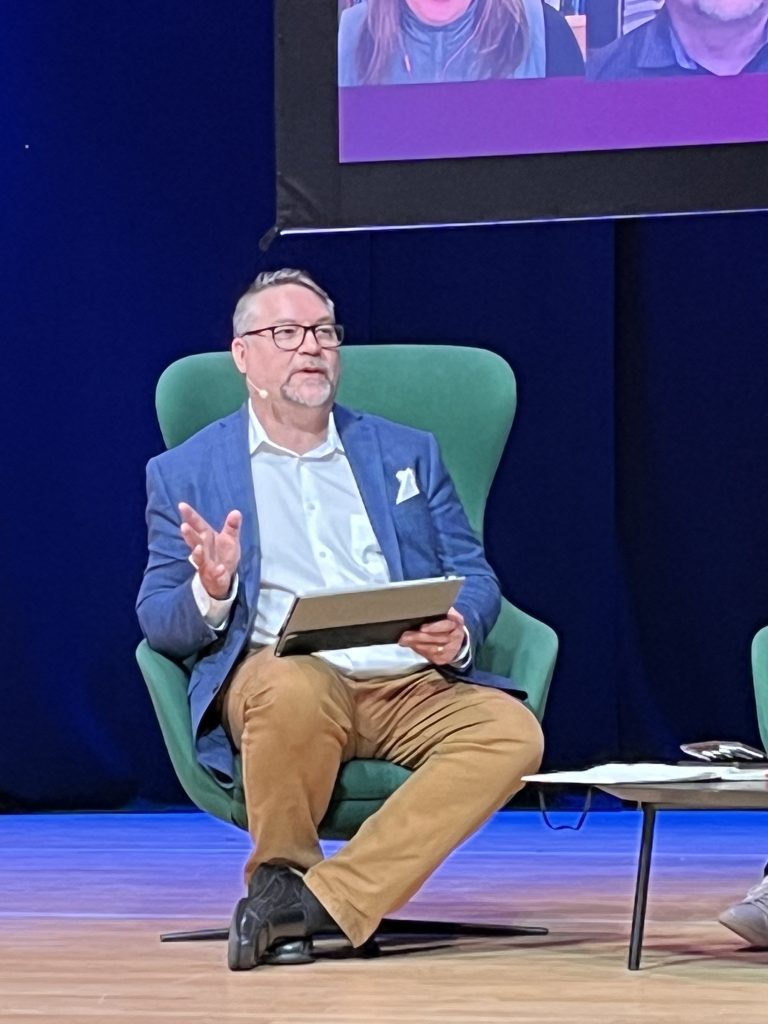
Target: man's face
(726,10)
(438,12)
(307,376)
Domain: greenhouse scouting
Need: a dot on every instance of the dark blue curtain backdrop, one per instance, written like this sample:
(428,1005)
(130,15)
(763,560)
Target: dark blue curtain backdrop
(630,509)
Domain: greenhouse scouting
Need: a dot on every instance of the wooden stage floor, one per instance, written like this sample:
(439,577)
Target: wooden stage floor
(83,899)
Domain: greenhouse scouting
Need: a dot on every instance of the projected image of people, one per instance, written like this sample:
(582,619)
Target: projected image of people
(409,42)
(676,37)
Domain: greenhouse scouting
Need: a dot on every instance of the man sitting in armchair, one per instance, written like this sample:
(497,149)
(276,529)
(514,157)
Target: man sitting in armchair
(295,493)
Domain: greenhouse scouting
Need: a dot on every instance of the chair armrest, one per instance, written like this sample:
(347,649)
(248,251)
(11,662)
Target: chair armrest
(167,685)
(524,650)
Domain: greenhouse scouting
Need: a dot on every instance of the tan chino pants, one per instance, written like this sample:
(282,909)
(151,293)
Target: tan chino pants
(296,720)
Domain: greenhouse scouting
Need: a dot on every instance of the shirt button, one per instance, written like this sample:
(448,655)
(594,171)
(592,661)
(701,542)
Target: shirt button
(311,507)
(323,554)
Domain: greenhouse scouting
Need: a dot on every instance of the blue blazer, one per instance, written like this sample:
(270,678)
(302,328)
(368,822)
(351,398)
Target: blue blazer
(426,535)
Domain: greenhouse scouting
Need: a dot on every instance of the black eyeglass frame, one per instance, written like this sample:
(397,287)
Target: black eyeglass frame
(338,330)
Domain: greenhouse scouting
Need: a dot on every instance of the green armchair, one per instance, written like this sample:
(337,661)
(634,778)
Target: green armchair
(467,398)
(760,680)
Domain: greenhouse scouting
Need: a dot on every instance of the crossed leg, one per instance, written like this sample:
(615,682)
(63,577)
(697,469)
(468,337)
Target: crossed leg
(296,720)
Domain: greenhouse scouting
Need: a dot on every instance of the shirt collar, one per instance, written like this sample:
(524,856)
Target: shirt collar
(259,439)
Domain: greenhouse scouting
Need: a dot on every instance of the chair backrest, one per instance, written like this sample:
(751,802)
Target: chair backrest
(465,396)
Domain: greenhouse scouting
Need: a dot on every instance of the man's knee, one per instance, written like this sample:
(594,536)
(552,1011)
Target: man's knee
(514,729)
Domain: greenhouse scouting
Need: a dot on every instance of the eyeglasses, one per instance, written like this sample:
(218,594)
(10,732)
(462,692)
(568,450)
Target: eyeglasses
(289,337)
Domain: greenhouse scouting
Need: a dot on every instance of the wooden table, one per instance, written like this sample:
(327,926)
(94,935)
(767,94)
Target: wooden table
(678,796)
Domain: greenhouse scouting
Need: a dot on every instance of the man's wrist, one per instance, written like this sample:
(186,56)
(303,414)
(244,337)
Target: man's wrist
(464,658)
(214,610)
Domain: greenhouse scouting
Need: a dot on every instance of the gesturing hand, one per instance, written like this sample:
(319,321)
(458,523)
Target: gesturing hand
(439,642)
(215,555)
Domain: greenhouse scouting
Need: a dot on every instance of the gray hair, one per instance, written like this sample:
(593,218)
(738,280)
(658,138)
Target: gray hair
(271,279)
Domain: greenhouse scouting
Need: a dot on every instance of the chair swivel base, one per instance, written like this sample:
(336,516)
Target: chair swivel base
(301,951)
(451,929)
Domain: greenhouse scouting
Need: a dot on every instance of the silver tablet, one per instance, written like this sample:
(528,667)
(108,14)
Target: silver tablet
(329,620)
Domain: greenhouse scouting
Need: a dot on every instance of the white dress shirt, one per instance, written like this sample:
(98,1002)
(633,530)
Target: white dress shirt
(314,533)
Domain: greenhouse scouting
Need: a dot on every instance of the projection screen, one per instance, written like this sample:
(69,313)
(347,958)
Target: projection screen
(581,127)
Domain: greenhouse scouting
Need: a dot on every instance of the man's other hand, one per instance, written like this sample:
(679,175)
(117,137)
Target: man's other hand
(439,642)
(214,555)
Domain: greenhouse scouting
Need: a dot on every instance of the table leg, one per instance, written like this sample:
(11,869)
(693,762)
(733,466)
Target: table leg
(641,887)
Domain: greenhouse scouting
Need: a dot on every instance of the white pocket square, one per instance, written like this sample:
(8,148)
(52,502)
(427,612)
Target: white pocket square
(408,486)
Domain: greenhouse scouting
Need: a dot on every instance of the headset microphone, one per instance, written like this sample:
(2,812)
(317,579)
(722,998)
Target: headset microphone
(261,392)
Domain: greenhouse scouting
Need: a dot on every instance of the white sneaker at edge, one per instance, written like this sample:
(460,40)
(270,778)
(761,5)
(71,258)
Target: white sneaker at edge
(749,919)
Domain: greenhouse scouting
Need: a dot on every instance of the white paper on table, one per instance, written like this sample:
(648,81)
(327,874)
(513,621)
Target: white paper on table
(616,773)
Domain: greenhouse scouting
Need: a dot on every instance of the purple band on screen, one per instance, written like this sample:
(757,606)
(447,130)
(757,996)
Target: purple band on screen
(553,115)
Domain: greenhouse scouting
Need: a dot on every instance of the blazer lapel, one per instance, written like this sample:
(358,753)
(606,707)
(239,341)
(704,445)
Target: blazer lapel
(361,445)
(236,486)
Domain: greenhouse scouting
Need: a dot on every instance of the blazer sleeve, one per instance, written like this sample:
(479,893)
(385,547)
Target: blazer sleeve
(461,553)
(166,607)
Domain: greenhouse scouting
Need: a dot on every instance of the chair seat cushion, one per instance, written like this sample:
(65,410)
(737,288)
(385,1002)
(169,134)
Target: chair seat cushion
(366,779)
(360,790)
